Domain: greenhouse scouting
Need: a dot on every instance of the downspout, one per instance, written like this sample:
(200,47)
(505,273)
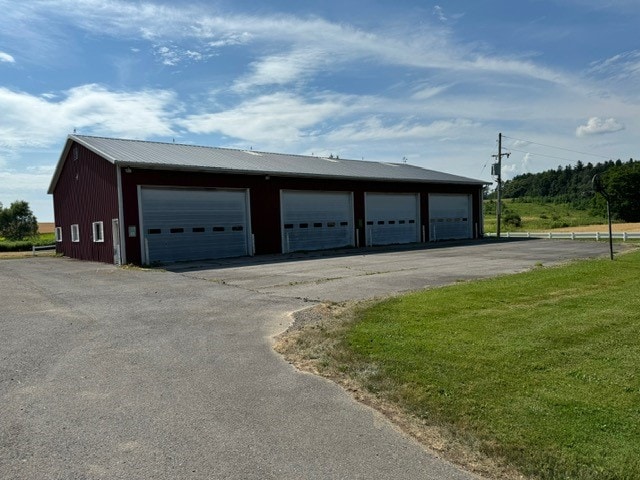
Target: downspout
(123,245)
(481,213)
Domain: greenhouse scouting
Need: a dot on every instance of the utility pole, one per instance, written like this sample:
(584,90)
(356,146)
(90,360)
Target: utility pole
(596,183)
(497,171)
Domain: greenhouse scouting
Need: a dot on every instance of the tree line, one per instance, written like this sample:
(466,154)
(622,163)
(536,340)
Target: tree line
(572,184)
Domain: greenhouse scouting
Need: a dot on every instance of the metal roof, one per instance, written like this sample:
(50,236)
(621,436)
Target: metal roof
(173,156)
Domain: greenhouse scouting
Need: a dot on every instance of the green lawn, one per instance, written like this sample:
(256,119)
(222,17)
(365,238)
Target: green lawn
(541,369)
(540,217)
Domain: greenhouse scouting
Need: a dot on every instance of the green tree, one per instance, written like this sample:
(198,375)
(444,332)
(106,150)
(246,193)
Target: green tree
(622,183)
(17,221)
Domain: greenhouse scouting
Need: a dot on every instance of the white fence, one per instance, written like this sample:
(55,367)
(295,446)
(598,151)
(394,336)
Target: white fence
(35,248)
(624,236)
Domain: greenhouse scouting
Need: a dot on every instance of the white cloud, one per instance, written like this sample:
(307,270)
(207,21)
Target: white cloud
(509,170)
(521,144)
(276,119)
(519,68)
(168,56)
(193,55)
(526,163)
(599,126)
(621,65)
(201,26)
(282,69)
(426,92)
(30,120)
(19,182)
(374,129)
(29,185)
(620,74)
(6,58)
(174,55)
(231,39)
(438,12)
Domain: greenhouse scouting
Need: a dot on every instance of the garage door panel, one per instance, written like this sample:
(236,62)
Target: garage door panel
(171,247)
(392,218)
(182,224)
(316,220)
(450,217)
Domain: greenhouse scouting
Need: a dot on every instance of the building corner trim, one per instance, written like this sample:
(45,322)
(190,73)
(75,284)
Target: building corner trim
(123,243)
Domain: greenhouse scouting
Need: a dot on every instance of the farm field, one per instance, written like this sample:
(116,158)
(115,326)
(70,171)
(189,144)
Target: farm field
(46,227)
(539,217)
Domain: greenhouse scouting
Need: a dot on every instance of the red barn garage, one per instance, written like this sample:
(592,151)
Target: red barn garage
(128,201)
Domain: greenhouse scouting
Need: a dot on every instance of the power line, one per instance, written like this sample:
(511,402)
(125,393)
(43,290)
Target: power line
(559,148)
(543,155)
(485,166)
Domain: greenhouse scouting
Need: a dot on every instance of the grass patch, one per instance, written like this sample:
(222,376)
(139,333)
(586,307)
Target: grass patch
(540,369)
(540,216)
(25,245)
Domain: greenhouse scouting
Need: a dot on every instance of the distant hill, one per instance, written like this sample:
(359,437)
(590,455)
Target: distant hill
(572,184)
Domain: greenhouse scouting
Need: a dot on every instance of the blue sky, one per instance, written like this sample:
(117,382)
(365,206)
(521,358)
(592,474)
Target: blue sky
(431,83)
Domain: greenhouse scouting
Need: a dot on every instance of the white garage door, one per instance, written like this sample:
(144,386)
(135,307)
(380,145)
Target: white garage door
(189,224)
(392,218)
(450,217)
(316,220)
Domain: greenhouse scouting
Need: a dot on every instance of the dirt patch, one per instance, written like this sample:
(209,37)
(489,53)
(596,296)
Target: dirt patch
(616,227)
(309,343)
(45,253)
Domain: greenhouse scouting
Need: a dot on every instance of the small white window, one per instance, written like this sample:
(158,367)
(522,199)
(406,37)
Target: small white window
(98,232)
(75,233)
(58,234)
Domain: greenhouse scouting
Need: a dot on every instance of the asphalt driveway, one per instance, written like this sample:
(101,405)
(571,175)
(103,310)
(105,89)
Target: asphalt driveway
(117,373)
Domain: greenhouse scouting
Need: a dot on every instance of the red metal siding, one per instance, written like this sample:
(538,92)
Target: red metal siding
(265,216)
(86,192)
(265,199)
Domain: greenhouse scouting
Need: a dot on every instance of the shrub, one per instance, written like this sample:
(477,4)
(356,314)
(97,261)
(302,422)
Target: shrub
(512,219)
